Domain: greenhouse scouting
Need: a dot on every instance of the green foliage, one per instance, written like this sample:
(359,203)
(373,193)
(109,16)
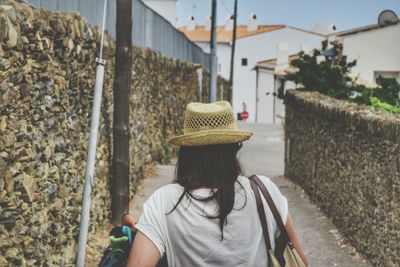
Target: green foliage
(327,76)
(330,76)
(388,91)
(375,102)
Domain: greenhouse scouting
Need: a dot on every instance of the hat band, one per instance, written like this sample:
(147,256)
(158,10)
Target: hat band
(231,127)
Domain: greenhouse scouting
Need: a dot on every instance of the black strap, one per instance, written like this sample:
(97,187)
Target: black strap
(261,214)
(271,205)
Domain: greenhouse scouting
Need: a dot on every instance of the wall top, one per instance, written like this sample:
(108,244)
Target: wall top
(359,117)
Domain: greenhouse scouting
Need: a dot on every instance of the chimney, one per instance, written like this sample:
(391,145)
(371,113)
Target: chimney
(253,23)
(229,24)
(207,28)
(282,57)
(191,25)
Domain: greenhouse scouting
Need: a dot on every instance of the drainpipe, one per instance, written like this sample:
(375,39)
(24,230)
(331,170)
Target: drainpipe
(200,78)
(257,99)
(273,105)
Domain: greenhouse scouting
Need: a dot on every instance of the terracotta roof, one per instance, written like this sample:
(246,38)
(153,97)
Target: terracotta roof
(201,35)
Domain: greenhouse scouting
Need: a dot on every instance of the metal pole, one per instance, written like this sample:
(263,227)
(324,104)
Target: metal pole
(89,179)
(213,48)
(257,99)
(230,89)
(273,104)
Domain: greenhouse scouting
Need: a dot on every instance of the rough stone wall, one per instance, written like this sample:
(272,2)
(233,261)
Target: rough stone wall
(346,157)
(47,75)
(222,87)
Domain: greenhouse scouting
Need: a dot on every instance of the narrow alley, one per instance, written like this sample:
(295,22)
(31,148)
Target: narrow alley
(263,154)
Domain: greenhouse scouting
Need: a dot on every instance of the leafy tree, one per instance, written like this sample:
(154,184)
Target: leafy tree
(323,74)
(330,76)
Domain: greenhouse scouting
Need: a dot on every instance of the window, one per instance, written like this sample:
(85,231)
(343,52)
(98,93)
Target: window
(244,61)
(387,74)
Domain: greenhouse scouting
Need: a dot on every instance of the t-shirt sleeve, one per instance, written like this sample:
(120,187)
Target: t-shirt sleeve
(279,200)
(151,222)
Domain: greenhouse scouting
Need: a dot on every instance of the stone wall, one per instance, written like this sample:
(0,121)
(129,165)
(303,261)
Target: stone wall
(47,75)
(346,157)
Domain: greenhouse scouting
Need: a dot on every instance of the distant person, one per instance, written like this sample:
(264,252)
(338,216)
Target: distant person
(244,114)
(208,216)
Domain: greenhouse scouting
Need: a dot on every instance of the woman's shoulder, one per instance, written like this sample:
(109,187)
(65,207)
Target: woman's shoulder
(272,188)
(266,180)
(279,200)
(168,191)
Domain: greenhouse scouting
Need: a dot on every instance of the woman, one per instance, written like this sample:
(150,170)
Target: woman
(208,215)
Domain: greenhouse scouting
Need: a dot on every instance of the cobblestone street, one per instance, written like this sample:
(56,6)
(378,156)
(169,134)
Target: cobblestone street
(263,154)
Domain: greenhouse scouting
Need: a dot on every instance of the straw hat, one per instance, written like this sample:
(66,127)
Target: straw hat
(209,124)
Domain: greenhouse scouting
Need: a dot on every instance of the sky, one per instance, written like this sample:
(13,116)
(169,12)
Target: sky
(344,14)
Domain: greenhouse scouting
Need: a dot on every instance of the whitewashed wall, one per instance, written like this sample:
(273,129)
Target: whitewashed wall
(205,46)
(265,105)
(223,54)
(224,59)
(375,50)
(261,47)
(265,102)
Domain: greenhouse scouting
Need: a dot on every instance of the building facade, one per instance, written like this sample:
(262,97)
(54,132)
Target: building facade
(254,43)
(253,49)
(376,49)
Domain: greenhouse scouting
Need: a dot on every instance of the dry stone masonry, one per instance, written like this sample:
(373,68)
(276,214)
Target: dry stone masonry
(347,158)
(47,75)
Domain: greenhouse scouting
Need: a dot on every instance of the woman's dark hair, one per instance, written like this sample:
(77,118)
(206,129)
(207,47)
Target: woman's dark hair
(213,166)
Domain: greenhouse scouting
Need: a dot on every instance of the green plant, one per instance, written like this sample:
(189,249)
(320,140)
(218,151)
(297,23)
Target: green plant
(375,102)
(330,76)
(388,90)
(322,74)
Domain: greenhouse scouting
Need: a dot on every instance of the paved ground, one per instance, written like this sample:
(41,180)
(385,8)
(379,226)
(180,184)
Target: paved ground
(263,155)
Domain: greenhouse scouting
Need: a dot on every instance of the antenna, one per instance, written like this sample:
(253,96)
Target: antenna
(387,17)
(193,9)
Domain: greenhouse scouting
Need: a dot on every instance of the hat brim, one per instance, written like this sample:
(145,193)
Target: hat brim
(211,137)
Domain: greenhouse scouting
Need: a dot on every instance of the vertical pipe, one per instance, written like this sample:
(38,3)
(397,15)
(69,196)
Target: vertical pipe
(94,128)
(103,28)
(200,78)
(274,97)
(213,48)
(257,98)
(85,217)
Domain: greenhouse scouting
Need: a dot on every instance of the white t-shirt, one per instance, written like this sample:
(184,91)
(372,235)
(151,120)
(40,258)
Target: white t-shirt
(191,239)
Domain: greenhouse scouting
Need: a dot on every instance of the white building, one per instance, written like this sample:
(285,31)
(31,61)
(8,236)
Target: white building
(166,8)
(376,49)
(270,76)
(254,43)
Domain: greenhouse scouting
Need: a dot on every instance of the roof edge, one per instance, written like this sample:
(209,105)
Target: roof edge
(366,28)
(308,31)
